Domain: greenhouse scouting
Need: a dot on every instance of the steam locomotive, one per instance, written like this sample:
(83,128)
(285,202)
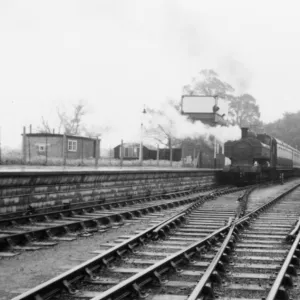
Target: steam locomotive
(259,156)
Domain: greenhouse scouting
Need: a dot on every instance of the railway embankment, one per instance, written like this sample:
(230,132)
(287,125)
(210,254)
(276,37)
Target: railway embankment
(43,189)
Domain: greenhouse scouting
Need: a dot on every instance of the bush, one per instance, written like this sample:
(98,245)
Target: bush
(14,157)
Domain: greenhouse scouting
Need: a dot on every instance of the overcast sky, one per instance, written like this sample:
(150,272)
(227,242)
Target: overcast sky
(119,55)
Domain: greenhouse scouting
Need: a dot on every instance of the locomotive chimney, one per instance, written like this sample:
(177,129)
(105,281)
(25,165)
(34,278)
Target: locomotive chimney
(244,132)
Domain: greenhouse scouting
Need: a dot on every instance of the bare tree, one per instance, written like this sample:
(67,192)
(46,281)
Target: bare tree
(44,127)
(162,133)
(72,124)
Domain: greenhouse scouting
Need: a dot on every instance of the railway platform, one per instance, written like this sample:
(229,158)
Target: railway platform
(43,187)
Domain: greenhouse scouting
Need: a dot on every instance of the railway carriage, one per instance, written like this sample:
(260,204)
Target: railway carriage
(260,156)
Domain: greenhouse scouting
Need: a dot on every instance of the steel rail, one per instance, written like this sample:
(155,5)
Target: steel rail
(205,288)
(212,272)
(153,273)
(94,206)
(181,217)
(292,234)
(135,283)
(266,205)
(56,208)
(81,224)
(286,271)
(51,286)
(65,280)
(94,222)
(99,206)
(244,201)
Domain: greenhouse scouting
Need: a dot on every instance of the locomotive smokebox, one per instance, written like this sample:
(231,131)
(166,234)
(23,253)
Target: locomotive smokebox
(244,132)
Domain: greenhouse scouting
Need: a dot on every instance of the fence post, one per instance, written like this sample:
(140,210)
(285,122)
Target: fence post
(46,149)
(24,145)
(157,155)
(82,149)
(171,151)
(182,155)
(29,150)
(215,153)
(64,149)
(121,153)
(200,158)
(111,154)
(97,151)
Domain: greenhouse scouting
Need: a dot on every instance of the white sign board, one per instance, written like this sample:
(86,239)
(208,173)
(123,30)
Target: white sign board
(203,104)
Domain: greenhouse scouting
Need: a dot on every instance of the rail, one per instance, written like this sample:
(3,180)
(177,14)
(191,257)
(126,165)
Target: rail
(155,272)
(204,288)
(287,269)
(96,205)
(292,234)
(94,222)
(211,274)
(66,280)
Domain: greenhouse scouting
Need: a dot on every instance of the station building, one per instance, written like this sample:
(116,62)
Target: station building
(131,151)
(58,146)
(192,153)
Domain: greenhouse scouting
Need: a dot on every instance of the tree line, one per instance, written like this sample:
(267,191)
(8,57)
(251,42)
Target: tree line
(243,109)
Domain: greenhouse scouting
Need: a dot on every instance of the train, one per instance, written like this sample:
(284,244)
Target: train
(257,157)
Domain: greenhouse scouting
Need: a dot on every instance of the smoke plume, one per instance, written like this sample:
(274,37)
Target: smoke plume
(167,119)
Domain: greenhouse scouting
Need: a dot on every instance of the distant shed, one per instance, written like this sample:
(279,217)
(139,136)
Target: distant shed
(54,145)
(192,153)
(132,151)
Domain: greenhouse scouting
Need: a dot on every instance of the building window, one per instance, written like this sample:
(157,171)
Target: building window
(42,148)
(136,151)
(72,145)
(130,151)
(126,152)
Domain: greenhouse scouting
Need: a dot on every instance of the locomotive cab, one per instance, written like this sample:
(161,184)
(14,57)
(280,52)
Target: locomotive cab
(249,156)
(260,156)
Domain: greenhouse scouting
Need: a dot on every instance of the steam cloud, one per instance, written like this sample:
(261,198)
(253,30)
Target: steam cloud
(179,126)
(235,73)
(173,123)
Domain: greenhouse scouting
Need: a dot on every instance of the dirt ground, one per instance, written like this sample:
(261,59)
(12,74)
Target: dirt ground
(264,194)
(27,270)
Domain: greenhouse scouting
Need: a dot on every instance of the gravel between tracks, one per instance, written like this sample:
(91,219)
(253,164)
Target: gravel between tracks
(29,269)
(266,193)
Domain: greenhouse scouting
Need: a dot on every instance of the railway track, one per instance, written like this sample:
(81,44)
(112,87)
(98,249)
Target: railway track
(254,261)
(67,204)
(140,251)
(220,250)
(27,233)
(260,252)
